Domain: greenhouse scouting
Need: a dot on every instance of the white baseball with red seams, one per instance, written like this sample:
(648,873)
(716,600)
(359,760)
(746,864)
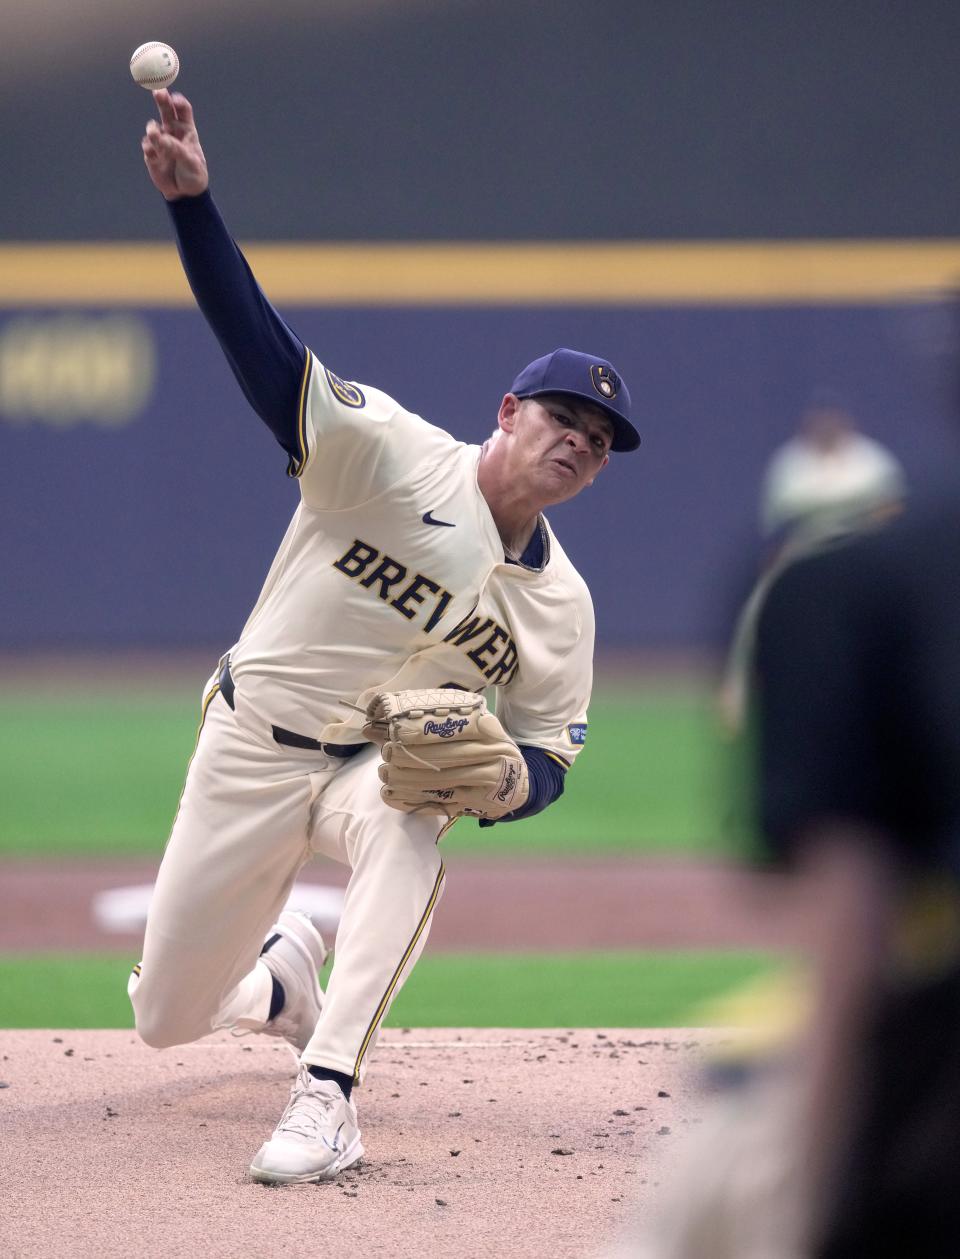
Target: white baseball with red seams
(154,65)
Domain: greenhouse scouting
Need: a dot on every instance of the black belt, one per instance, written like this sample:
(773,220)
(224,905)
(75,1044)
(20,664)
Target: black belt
(288,737)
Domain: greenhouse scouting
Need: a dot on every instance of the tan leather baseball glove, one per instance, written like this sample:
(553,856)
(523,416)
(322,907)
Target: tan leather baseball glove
(445,753)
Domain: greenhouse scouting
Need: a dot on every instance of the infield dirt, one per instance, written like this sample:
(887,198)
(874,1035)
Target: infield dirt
(479,1143)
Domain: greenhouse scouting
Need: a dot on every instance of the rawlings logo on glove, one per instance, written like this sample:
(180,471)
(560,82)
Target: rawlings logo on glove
(445,729)
(445,753)
(508,788)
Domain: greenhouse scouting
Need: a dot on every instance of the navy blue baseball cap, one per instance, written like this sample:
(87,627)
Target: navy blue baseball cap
(587,377)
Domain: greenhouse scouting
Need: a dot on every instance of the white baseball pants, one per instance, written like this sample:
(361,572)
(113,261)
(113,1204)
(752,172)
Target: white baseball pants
(251,814)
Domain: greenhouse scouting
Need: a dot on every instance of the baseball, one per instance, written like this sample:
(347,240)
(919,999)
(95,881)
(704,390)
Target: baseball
(154,65)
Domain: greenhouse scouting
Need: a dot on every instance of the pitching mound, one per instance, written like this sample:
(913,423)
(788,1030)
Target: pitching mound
(479,1142)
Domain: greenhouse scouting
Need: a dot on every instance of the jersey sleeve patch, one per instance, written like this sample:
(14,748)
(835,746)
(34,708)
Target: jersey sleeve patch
(577,734)
(344,391)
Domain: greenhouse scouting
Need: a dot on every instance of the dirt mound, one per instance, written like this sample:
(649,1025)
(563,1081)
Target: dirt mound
(479,1142)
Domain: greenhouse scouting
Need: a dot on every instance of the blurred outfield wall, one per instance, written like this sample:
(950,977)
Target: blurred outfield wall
(140,500)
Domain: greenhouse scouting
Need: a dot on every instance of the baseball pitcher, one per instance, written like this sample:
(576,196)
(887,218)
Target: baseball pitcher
(350,718)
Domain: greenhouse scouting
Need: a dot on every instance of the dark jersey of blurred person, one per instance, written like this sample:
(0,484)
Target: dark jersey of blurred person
(858,723)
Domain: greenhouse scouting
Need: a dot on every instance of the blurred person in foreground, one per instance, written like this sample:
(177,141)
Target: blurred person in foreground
(828,482)
(858,741)
(846,1142)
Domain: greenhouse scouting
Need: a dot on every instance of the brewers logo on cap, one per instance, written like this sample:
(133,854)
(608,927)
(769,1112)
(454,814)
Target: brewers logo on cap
(605,381)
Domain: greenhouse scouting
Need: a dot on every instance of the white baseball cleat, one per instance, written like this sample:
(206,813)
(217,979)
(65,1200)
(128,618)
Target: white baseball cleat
(293,954)
(316,1138)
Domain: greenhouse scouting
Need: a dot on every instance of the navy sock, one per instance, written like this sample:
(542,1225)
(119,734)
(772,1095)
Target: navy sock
(276,1000)
(324,1073)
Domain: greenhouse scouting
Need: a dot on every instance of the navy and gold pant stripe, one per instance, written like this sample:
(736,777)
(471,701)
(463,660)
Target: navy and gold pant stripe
(204,706)
(207,701)
(391,987)
(299,462)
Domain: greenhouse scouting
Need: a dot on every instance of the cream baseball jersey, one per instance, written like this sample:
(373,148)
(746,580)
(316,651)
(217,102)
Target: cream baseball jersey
(392,576)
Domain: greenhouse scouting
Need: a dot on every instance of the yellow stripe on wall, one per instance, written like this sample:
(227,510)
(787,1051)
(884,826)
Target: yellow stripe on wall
(485,274)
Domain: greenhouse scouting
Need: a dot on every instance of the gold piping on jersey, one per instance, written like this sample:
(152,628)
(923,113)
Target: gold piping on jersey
(385,999)
(554,757)
(296,466)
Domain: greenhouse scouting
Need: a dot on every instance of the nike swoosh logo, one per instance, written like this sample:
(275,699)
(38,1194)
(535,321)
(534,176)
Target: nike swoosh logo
(428,519)
(335,1147)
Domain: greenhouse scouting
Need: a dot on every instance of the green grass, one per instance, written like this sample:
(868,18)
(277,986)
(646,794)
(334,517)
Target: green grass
(603,989)
(88,775)
(83,774)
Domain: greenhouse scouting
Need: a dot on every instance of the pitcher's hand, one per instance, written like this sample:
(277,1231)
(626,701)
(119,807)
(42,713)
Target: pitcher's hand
(171,148)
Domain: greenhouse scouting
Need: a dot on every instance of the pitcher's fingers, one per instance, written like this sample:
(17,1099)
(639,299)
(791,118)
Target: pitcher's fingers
(175,150)
(166,147)
(165,107)
(183,109)
(150,141)
(155,137)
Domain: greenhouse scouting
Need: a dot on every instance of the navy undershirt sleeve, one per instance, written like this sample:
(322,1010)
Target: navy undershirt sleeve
(546,785)
(264,353)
